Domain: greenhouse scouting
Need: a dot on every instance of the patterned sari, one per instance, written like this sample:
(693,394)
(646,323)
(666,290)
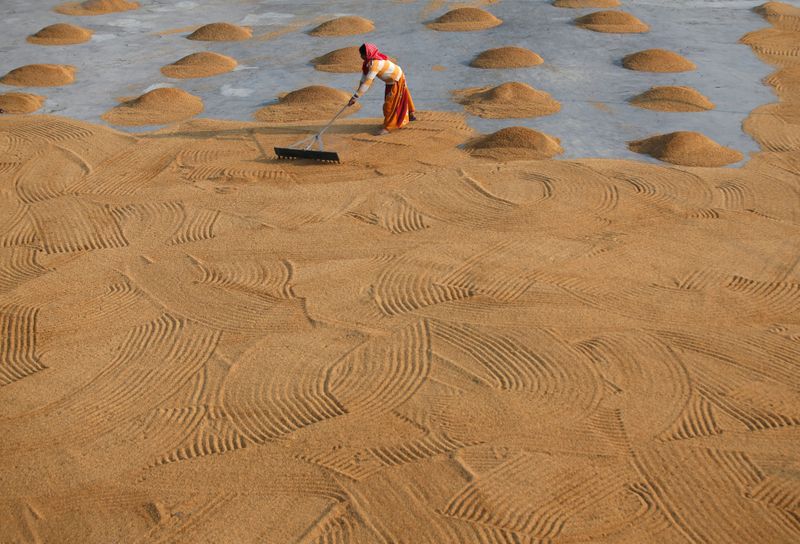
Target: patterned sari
(397,105)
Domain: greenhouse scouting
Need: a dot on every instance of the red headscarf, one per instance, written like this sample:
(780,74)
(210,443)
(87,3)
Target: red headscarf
(372,54)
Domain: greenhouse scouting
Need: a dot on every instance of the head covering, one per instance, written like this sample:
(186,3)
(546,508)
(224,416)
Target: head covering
(372,54)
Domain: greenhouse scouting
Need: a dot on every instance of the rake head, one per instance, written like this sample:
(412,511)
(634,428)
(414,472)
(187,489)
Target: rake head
(291,153)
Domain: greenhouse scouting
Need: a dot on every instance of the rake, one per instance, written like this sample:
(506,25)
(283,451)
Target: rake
(302,149)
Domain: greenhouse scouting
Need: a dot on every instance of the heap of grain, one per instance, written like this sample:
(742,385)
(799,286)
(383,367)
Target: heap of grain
(203,64)
(157,107)
(221,32)
(657,60)
(515,143)
(508,100)
(345,60)
(506,57)
(60,34)
(582,4)
(313,103)
(40,75)
(617,22)
(678,99)
(20,102)
(96,7)
(343,26)
(465,19)
(686,149)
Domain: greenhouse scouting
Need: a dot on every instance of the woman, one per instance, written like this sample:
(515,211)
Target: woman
(398,108)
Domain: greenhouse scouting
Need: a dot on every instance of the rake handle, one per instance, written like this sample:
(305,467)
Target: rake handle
(318,136)
(335,117)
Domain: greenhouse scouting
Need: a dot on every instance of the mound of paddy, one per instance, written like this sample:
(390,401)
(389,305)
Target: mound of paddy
(345,60)
(203,64)
(617,22)
(221,32)
(508,100)
(20,102)
(657,60)
(60,34)
(786,82)
(515,143)
(581,4)
(672,99)
(157,107)
(96,7)
(315,94)
(313,103)
(506,57)
(464,19)
(40,75)
(780,14)
(343,26)
(686,149)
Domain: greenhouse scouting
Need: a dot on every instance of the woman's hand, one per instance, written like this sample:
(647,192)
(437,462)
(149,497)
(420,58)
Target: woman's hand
(352,101)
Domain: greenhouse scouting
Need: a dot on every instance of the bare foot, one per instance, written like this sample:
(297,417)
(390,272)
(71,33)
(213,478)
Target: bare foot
(412,117)
(382,132)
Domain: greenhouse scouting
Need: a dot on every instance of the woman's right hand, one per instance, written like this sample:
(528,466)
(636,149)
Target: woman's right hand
(352,101)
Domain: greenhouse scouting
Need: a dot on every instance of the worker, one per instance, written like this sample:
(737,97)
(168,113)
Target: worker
(398,107)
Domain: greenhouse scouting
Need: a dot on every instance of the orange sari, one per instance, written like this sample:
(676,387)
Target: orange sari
(397,105)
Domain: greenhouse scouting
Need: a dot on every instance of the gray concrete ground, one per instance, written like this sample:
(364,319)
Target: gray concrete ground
(582,69)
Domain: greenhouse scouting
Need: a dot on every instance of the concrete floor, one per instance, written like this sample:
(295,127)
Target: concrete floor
(582,68)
